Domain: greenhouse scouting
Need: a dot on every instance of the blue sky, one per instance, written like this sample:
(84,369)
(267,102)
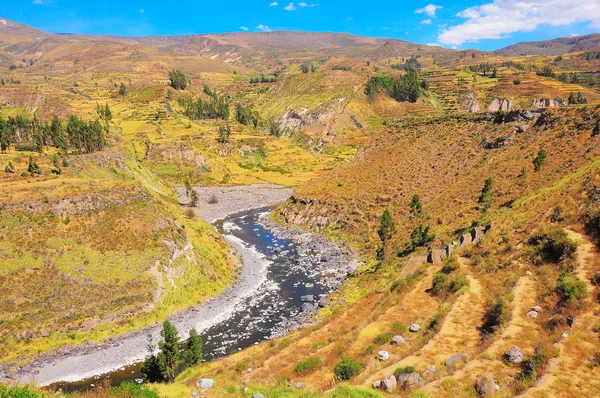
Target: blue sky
(479,24)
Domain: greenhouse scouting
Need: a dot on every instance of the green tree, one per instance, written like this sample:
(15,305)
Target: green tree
(387,227)
(487,193)
(122,89)
(168,357)
(193,355)
(420,236)
(177,79)
(416,208)
(149,368)
(224,134)
(304,68)
(9,168)
(539,160)
(188,186)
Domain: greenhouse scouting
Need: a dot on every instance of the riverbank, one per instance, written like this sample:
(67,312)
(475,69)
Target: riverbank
(314,255)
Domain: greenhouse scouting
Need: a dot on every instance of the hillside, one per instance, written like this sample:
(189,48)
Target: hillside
(558,46)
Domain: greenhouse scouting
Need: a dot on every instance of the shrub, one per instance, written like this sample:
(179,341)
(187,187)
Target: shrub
(383,338)
(450,265)
(308,365)
(212,200)
(438,285)
(189,213)
(347,368)
(399,327)
(539,160)
(497,314)
(571,289)
(553,246)
(407,369)
(240,366)
(517,81)
(457,283)
(369,350)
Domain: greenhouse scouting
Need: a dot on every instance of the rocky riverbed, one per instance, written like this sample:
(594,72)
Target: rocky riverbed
(286,275)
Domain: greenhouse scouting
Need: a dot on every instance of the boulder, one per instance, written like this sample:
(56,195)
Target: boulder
(195,394)
(536,308)
(414,328)
(308,298)
(246,381)
(471,104)
(389,383)
(501,105)
(412,381)
(532,314)
(377,384)
(205,384)
(430,371)
(383,355)
(299,384)
(257,395)
(485,385)
(456,358)
(398,340)
(514,355)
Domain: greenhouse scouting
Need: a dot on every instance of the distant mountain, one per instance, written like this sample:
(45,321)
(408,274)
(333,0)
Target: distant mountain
(558,46)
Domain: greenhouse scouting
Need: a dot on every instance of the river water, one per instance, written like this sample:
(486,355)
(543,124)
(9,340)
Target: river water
(290,272)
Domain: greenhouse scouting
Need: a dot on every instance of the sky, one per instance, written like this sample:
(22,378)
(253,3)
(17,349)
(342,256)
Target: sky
(481,24)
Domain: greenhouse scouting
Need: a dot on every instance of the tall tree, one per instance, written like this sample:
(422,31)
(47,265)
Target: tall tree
(193,355)
(416,208)
(168,357)
(387,227)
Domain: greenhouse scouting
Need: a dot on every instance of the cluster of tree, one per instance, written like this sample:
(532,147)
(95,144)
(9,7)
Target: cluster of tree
(263,79)
(177,79)
(484,68)
(577,99)
(215,107)
(245,115)
(224,134)
(339,67)
(405,87)
(162,366)
(513,64)
(305,68)
(487,195)
(411,64)
(377,83)
(591,55)
(420,236)
(546,71)
(84,136)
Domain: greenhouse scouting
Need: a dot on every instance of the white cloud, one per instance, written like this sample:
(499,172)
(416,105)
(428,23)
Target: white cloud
(502,17)
(426,21)
(274,4)
(38,2)
(264,28)
(303,4)
(141,11)
(290,7)
(244,28)
(429,9)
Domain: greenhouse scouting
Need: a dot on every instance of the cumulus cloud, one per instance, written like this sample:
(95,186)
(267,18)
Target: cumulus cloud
(303,4)
(426,21)
(264,28)
(429,10)
(244,28)
(290,7)
(502,17)
(274,4)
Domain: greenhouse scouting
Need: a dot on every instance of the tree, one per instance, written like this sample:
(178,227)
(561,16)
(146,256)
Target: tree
(405,88)
(304,68)
(387,227)
(539,160)
(487,192)
(168,357)
(149,368)
(494,73)
(122,89)
(193,355)
(193,198)
(416,207)
(517,81)
(177,79)
(33,167)
(420,236)
(188,187)
(9,168)
(224,134)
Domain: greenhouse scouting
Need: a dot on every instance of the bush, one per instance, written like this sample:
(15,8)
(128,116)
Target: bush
(399,327)
(383,338)
(539,160)
(17,392)
(407,369)
(497,314)
(571,289)
(553,246)
(438,285)
(457,283)
(347,368)
(308,365)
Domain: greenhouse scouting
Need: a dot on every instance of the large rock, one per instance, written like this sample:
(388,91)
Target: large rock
(410,381)
(257,395)
(501,105)
(377,384)
(383,355)
(471,104)
(398,340)
(532,314)
(389,383)
(485,386)
(536,308)
(547,102)
(430,371)
(205,383)
(308,298)
(514,355)
(456,358)
(414,328)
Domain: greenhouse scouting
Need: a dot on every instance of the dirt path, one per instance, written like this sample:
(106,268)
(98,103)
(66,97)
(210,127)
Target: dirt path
(572,368)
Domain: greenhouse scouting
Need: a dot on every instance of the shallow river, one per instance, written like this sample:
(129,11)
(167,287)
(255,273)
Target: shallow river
(285,277)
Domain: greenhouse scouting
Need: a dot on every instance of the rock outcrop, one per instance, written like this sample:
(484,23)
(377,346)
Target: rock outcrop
(456,358)
(514,355)
(471,104)
(485,385)
(389,383)
(501,105)
(547,102)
